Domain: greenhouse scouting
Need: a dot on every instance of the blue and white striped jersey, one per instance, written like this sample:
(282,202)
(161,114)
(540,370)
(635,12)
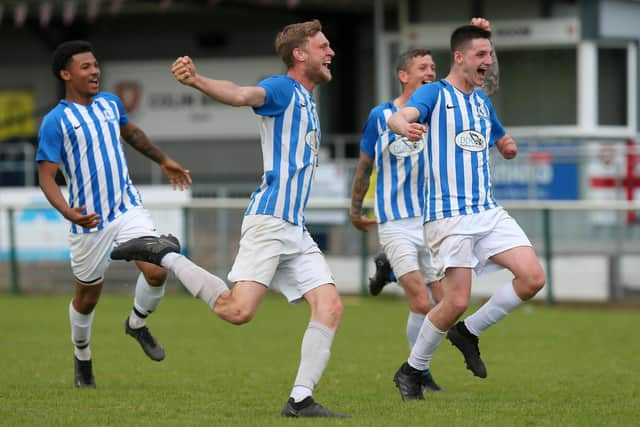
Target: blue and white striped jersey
(461,128)
(290,136)
(85,141)
(400,166)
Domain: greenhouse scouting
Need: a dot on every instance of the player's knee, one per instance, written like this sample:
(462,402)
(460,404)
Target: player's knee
(534,282)
(337,309)
(156,277)
(236,315)
(458,304)
(419,304)
(330,312)
(87,302)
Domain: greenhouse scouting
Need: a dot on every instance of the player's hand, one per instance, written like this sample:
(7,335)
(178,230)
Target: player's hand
(178,176)
(482,23)
(415,131)
(362,222)
(184,70)
(507,147)
(79,217)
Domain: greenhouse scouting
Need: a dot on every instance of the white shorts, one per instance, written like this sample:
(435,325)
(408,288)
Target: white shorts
(402,241)
(470,240)
(281,256)
(90,252)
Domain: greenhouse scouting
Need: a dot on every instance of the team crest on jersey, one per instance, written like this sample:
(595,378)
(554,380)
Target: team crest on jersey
(471,140)
(402,147)
(108,114)
(483,111)
(311,138)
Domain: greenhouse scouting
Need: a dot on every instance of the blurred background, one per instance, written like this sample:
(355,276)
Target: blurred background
(568,94)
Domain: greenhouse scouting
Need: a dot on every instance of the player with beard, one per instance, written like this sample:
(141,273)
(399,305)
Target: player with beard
(276,250)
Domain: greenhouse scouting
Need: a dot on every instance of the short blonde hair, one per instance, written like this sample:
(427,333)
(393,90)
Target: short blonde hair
(295,36)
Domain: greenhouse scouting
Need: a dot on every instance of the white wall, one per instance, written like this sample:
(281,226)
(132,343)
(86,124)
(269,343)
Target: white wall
(575,278)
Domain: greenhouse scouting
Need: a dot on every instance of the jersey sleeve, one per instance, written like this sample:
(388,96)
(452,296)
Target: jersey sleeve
(424,99)
(279,90)
(50,139)
(497,130)
(370,134)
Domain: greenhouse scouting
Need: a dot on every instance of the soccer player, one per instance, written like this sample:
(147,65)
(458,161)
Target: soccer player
(384,274)
(399,194)
(81,136)
(464,227)
(276,250)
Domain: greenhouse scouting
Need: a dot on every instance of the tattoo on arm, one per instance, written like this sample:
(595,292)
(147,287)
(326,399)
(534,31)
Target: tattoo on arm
(491,82)
(141,142)
(360,185)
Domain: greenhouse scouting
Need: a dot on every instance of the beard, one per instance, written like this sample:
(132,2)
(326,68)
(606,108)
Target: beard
(318,74)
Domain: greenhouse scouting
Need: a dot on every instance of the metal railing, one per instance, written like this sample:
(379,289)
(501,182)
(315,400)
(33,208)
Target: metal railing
(556,228)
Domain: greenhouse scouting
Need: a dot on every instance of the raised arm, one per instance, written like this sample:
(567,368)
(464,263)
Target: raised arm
(227,92)
(178,176)
(359,188)
(403,122)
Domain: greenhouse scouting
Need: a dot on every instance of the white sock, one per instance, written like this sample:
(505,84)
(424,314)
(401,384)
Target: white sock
(501,303)
(414,323)
(168,260)
(80,332)
(145,301)
(198,281)
(428,341)
(300,393)
(314,355)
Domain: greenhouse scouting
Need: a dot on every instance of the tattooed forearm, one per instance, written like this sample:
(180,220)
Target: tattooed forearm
(140,141)
(491,82)
(360,186)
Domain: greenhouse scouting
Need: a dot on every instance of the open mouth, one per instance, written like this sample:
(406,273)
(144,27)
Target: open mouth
(482,72)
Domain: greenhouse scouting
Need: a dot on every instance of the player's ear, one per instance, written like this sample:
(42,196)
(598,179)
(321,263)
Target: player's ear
(299,54)
(457,56)
(65,75)
(403,76)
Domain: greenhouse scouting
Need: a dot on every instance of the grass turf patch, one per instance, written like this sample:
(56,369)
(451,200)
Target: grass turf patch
(547,366)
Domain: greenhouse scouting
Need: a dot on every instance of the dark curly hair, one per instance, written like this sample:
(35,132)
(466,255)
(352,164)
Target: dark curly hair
(63,53)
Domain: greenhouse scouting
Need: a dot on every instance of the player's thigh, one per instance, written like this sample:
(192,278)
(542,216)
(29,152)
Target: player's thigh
(402,241)
(428,265)
(262,244)
(303,272)
(90,254)
(521,260)
(496,246)
(451,242)
(134,223)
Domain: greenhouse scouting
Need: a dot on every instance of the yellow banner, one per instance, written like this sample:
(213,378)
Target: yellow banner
(16,114)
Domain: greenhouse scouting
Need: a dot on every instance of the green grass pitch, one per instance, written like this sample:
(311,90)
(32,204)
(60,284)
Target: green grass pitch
(547,366)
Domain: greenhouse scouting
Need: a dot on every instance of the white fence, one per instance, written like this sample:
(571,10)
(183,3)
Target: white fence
(584,260)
